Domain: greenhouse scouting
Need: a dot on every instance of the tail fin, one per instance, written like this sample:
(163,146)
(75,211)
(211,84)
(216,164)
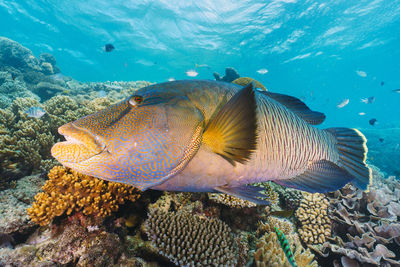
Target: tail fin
(352,148)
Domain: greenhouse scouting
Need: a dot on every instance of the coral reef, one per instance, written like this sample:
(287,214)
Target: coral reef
(15,201)
(231,201)
(70,244)
(365,226)
(315,224)
(246,80)
(191,240)
(289,198)
(269,252)
(230,75)
(68,191)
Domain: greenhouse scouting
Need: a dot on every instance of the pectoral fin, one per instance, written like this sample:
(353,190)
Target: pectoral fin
(232,132)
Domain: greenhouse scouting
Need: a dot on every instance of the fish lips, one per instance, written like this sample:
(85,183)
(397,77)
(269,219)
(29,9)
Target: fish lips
(80,145)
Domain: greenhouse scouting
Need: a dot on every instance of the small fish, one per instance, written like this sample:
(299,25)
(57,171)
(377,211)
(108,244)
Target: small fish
(102,93)
(282,213)
(208,136)
(285,246)
(373,121)
(396,91)
(382,83)
(171,79)
(35,112)
(361,113)
(59,77)
(368,100)
(109,47)
(192,73)
(202,66)
(361,73)
(13,76)
(343,103)
(381,140)
(66,91)
(262,71)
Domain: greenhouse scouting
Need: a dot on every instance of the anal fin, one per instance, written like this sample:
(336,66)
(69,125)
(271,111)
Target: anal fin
(320,177)
(246,192)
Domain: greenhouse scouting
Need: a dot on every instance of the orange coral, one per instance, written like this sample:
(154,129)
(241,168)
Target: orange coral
(68,191)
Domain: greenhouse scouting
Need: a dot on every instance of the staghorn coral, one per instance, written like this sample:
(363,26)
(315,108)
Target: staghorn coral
(246,80)
(191,240)
(68,191)
(315,224)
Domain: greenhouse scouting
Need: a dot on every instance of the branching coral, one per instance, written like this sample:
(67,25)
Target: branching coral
(68,191)
(315,224)
(231,201)
(269,252)
(189,240)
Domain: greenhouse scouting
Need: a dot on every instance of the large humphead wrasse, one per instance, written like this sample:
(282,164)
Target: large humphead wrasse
(206,136)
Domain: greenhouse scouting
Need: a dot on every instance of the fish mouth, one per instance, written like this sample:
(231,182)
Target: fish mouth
(80,145)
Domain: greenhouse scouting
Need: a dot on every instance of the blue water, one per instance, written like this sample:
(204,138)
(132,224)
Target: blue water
(312,49)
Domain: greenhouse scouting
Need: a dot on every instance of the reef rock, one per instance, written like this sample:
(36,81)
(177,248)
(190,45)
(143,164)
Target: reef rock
(15,55)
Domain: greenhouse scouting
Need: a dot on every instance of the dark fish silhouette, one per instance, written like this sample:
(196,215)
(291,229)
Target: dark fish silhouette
(109,47)
(381,140)
(372,121)
(382,83)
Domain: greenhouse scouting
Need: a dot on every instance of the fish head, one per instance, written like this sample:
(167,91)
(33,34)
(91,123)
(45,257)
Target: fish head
(141,141)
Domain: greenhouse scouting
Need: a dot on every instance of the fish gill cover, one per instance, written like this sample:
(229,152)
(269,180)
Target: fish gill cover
(57,59)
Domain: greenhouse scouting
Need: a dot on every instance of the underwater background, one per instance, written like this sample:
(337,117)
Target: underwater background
(341,58)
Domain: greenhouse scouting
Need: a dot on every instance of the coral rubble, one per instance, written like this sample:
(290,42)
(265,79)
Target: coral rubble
(68,191)
(189,240)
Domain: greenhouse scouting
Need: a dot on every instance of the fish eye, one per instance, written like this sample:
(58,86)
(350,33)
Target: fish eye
(135,100)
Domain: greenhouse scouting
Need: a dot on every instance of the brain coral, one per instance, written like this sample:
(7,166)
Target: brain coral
(189,240)
(68,191)
(315,224)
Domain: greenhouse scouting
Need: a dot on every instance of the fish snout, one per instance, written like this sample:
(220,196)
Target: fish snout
(80,144)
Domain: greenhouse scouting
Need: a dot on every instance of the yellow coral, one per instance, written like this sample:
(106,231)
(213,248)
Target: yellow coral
(315,224)
(270,254)
(68,191)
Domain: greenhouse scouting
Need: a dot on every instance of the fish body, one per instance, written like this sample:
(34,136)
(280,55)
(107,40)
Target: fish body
(208,136)
(396,91)
(35,112)
(192,73)
(372,121)
(285,246)
(109,47)
(361,73)
(343,103)
(262,71)
(368,100)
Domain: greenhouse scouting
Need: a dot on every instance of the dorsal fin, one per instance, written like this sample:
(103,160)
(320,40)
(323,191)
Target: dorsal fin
(232,133)
(298,107)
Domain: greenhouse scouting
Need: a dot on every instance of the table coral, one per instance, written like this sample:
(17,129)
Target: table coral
(364,224)
(315,224)
(68,191)
(189,240)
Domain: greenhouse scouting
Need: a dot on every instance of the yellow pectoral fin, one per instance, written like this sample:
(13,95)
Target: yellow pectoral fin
(232,132)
